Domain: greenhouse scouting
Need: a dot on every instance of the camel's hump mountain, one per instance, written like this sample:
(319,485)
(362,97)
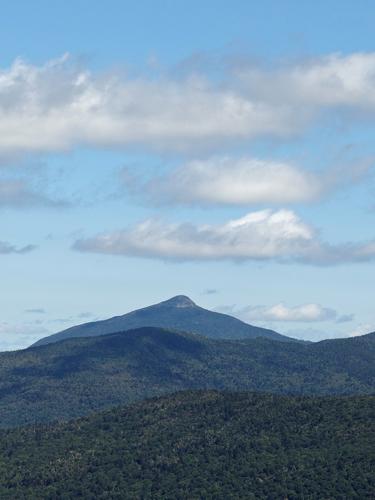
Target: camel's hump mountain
(178,313)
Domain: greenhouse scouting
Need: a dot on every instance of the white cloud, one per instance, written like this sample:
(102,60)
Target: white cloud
(55,107)
(58,106)
(327,81)
(338,80)
(281,312)
(245,181)
(262,235)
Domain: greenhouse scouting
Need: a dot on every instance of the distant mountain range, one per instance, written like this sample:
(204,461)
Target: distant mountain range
(178,313)
(74,377)
(201,444)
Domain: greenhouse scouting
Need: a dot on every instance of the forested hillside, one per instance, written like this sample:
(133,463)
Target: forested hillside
(198,445)
(74,377)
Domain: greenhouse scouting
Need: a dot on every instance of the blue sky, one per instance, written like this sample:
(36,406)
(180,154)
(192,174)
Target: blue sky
(223,150)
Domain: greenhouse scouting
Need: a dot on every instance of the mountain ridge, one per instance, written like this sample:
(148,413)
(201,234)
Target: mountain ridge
(80,375)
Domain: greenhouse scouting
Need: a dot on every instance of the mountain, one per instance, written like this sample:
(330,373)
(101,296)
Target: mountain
(178,313)
(201,444)
(74,377)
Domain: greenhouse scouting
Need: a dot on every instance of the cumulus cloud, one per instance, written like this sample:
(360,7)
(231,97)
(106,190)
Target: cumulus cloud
(281,312)
(262,235)
(259,235)
(8,248)
(245,181)
(58,106)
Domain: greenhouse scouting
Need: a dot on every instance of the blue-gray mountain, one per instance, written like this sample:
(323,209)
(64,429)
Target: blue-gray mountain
(178,313)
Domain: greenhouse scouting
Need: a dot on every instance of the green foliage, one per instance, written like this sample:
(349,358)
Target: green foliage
(75,377)
(199,445)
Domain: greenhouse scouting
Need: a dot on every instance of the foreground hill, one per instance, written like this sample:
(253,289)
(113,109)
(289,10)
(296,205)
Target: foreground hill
(179,313)
(200,445)
(74,377)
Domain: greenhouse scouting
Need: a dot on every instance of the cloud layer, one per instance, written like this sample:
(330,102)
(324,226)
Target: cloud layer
(58,106)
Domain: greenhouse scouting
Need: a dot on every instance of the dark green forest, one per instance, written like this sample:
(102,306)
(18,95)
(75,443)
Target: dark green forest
(307,432)
(74,377)
(199,445)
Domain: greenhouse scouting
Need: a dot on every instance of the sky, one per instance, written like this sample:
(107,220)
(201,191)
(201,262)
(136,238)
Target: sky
(220,149)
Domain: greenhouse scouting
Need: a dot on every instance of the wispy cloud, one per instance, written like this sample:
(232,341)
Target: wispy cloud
(8,248)
(18,194)
(262,235)
(345,318)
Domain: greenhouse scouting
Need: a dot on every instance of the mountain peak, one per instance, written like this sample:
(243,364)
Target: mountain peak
(178,313)
(179,301)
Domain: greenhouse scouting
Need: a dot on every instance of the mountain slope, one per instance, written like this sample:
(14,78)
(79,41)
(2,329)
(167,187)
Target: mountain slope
(74,377)
(199,445)
(179,313)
